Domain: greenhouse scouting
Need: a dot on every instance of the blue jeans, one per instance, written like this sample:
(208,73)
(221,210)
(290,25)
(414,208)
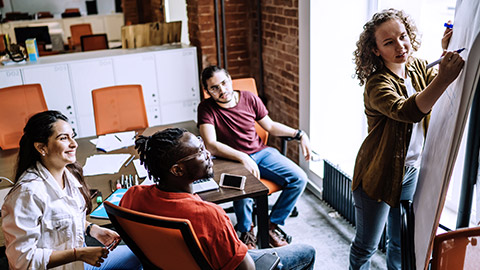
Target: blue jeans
(294,256)
(119,258)
(284,172)
(371,216)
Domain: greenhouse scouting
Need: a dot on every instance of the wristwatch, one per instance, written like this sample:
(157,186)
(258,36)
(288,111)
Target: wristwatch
(89,227)
(299,134)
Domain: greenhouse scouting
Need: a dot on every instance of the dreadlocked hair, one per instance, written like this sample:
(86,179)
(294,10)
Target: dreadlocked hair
(366,62)
(160,151)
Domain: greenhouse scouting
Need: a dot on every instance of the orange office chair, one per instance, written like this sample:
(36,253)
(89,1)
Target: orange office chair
(158,242)
(94,42)
(459,249)
(77,31)
(119,108)
(17,105)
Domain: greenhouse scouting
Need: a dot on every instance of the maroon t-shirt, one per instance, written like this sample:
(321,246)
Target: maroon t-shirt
(235,126)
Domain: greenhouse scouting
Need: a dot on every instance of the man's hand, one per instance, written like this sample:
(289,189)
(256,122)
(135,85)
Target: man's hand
(250,165)
(305,145)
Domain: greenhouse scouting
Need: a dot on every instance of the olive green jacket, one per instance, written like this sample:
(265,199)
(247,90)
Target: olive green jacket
(380,162)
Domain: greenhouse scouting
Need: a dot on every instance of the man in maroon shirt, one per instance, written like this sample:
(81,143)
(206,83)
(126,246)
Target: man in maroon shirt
(227,125)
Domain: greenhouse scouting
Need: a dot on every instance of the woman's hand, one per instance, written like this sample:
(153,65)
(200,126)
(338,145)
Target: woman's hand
(92,255)
(447,35)
(110,239)
(451,65)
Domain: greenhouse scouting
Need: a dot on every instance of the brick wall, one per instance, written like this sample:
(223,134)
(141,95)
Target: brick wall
(143,11)
(280,63)
(201,30)
(201,22)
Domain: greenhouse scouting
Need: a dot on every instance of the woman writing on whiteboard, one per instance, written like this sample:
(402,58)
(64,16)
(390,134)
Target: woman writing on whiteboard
(399,94)
(44,213)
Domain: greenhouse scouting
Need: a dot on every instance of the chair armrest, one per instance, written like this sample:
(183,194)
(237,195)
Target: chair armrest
(285,139)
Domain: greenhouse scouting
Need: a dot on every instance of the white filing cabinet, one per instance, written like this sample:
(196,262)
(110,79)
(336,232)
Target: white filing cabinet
(85,77)
(140,69)
(179,93)
(55,82)
(10,77)
(168,75)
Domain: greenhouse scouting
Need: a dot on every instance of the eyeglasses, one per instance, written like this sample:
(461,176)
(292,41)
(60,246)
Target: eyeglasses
(201,151)
(215,89)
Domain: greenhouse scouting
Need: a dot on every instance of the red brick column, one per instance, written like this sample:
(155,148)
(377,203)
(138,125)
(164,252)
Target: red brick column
(281,61)
(201,30)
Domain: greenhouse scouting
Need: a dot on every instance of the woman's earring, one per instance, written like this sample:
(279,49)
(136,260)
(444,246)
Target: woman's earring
(43,154)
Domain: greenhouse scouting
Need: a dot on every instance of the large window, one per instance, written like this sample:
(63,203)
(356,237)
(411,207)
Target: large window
(330,96)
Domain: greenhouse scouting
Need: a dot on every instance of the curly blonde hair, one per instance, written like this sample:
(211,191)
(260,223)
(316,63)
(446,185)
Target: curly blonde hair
(366,62)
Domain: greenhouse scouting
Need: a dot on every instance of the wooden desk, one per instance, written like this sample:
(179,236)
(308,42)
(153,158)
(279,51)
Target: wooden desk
(253,187)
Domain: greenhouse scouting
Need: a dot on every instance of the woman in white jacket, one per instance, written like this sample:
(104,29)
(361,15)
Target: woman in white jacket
(44,215)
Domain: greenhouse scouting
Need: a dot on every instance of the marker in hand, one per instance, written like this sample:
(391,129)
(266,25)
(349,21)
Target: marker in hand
(440,60)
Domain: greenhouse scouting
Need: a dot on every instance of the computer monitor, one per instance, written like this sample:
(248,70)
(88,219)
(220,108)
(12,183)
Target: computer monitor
(39,32)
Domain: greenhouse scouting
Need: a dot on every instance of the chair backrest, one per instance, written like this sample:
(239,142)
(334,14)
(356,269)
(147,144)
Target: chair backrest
(159,242)
(248,84)
(94,42)
(78,30)
(72,10)
(119,108)
(459,249)
(17,105)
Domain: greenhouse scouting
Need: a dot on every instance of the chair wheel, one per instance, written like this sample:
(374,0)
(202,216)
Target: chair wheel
(294,212)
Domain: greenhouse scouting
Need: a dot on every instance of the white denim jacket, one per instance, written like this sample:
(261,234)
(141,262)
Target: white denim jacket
(39,217)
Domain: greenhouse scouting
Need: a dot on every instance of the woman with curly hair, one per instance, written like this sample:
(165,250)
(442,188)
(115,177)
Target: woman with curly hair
(399,93)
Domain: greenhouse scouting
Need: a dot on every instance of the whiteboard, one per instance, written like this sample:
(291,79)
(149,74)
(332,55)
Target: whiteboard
(448,119)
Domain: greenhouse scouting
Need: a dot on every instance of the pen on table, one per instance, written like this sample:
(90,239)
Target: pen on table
(117,138)
(129,161)
(440,60)
(111,185)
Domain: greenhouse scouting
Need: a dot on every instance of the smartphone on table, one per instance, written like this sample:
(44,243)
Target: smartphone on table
(232,181)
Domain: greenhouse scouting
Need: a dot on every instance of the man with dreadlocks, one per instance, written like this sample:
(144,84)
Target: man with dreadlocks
(175,158)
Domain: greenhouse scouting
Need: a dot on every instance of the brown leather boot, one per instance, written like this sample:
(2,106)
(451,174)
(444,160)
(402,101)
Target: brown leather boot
(249,239)
(275,237)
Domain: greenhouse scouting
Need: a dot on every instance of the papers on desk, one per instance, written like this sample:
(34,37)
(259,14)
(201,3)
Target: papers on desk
(104,164)
(114,141)
(141,171)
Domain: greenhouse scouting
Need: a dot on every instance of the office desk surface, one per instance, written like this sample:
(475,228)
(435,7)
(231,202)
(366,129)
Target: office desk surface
(253,187)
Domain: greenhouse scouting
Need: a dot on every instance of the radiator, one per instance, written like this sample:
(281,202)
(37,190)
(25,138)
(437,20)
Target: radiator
(337,193)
